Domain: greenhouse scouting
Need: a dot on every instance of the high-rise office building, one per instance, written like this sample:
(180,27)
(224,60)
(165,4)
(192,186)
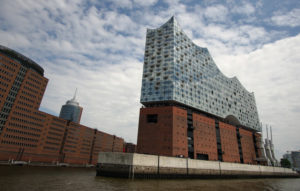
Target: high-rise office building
(71,111)
(189,107)
(22,88)
(28,134)
(22,85)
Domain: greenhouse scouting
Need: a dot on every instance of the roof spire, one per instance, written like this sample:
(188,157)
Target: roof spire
(75,94)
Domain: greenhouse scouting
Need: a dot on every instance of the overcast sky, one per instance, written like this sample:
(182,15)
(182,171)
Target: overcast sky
(98,47)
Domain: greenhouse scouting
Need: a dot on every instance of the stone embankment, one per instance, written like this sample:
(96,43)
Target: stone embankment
(40,164)
(133,165)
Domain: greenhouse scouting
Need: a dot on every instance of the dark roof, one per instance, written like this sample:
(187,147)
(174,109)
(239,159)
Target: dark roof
(27,62)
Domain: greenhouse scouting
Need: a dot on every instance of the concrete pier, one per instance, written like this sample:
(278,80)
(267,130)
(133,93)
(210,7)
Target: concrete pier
(133,165)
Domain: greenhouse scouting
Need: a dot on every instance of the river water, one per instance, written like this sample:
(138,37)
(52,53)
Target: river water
(50,178)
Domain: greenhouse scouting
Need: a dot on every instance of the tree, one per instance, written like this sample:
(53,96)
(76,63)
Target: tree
(285,163)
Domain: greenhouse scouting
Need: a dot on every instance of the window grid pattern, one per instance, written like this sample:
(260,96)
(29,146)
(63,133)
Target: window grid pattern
(176,69)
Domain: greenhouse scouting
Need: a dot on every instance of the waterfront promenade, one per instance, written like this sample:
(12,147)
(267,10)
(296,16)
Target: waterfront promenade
(133,165)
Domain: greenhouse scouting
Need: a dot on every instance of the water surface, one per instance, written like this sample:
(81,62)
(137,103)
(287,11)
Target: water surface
(50,178)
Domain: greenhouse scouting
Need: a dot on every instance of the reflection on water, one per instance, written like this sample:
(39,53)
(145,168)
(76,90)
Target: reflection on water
(50,178)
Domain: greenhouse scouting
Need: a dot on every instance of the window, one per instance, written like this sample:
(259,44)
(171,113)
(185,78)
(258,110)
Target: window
(152,118)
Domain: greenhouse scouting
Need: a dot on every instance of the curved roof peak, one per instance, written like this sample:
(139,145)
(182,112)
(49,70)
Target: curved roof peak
(175,23)
(172,20)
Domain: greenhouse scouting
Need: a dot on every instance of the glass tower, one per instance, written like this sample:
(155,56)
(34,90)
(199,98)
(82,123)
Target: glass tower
(178,71)
(71,110)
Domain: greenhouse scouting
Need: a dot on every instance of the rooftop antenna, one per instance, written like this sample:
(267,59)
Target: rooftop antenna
(75,94)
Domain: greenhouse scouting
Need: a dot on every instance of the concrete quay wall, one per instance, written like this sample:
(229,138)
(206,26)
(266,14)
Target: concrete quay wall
(152,166)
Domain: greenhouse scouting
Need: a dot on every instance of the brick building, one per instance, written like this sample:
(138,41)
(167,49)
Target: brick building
(162,131)
(190,109)
(129,148)
(28,134)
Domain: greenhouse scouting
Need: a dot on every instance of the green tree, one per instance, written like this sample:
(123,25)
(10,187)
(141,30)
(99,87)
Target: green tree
(285,163)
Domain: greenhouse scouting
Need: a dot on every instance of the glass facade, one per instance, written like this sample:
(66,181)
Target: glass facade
(175,69)
(71,111)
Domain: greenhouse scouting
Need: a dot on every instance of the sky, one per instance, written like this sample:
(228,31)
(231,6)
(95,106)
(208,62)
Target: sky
(98,47)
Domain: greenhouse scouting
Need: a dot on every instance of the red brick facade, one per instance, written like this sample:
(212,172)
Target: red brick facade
(258,143)
(51,138)
(229,143)
(167,135)
(20,97)
(130,148)
(31,135)
(205,136)
(248,146)
(179,132)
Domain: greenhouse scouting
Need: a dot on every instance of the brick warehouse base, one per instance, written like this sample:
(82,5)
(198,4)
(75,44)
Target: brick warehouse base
(181,132)
(102,142)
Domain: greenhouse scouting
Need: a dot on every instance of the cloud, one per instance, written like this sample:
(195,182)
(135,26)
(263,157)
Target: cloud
(244,9)
(98,48)
(291,19)
(122,3)
(216,13)
(11,38)
(145,3)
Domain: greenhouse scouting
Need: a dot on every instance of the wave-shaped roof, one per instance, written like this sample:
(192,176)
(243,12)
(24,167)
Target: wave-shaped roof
(176,69)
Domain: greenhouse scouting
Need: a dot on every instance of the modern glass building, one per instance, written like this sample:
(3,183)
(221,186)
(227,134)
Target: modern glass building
(71,110)
(178,71)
